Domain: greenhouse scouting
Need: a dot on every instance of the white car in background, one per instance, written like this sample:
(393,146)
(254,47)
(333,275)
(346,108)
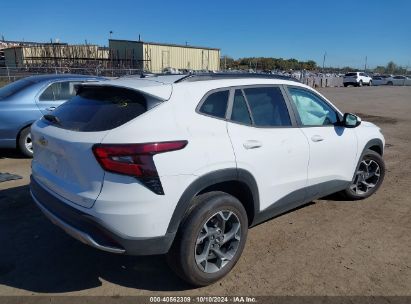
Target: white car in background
(185,164)
(399,80)
(357,79)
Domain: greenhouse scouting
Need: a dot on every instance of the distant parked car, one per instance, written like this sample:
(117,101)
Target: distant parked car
(26,100)
(399,80)
(379,80)
(171,71)
(357,79)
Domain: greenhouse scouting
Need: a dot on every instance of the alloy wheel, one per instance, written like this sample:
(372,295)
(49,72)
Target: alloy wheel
(28,143)
(367,177)
(218,241)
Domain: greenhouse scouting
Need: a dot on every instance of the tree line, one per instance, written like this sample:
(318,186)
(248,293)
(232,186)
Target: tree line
(266,63)
(270,63)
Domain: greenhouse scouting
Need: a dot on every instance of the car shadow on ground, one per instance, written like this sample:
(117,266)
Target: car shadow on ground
(37,256)
(11,153)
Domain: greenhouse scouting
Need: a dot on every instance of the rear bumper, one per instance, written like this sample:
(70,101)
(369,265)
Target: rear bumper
(351,82)
(92,231)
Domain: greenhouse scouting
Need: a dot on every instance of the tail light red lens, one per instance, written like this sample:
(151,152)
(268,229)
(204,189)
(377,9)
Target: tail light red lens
(135,160)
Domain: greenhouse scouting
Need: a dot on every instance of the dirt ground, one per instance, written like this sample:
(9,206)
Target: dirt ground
(325,248)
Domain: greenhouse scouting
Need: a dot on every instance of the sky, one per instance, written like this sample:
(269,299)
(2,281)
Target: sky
(347,31)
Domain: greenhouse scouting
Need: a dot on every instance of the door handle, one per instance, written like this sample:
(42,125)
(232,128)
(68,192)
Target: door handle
(50,109)
(252,144)
(316,138)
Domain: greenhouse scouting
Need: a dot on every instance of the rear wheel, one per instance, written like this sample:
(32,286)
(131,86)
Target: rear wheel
(368,177)
(25,142)
(360,83)
(390,83)
(370,83)
(210,240)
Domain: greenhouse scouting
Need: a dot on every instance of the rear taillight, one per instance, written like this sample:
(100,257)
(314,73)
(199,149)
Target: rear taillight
(135,160)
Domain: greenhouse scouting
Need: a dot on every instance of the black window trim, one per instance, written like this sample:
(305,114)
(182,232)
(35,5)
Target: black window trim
(297,116)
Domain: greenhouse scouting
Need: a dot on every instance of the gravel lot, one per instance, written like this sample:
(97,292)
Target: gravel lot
(325,248)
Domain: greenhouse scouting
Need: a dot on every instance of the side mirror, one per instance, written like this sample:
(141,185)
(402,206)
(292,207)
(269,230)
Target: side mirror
(351,121)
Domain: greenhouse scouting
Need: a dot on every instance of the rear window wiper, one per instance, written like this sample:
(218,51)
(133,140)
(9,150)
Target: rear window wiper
(52,118)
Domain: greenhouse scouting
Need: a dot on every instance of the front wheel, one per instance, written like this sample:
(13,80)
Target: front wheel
(25,143)
(370,83)
(368,177)
(360,83)
(210,240)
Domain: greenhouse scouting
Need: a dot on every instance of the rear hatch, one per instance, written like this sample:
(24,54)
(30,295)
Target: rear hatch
(63,158)
(350,77)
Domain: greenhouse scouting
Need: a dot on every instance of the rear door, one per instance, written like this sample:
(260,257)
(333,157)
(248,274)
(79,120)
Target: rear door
(333,148)
(63,159)
(268,145)
(55,94)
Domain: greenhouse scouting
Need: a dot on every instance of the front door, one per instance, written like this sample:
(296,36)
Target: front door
(333,148)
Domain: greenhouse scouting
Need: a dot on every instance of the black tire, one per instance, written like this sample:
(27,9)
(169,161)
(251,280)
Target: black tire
(351,194)
(360,83)
(345,85)
(390,83)
(24,139)
(370,83)
(182,255)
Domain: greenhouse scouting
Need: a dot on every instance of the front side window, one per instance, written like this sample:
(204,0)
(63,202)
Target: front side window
(313,111)
(267,106)
(215,104)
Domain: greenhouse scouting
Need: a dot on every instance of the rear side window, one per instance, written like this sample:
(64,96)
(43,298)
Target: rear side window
(351,74)
(59,91)
(215,104)
(268,107)
(240,112)
(102,108)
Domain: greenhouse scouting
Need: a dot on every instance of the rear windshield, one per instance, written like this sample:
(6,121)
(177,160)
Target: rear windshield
(14,88)
(351,74)
(101,108)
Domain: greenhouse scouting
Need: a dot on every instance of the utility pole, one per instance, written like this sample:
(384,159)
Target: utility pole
(111,34)
(325,55)
(365,65)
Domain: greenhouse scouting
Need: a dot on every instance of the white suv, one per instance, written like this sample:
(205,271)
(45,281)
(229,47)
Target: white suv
(184,165)
(357,79)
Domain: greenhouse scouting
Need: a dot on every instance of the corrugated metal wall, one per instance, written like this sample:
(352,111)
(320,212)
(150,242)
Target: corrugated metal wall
(49,54)
(158,57)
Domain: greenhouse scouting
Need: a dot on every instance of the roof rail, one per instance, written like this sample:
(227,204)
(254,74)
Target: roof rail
(214,76)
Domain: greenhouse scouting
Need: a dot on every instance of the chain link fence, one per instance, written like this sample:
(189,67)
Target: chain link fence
(8,75)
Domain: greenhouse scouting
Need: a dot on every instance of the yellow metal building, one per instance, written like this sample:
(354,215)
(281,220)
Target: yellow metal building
(156,57)
(54,54)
